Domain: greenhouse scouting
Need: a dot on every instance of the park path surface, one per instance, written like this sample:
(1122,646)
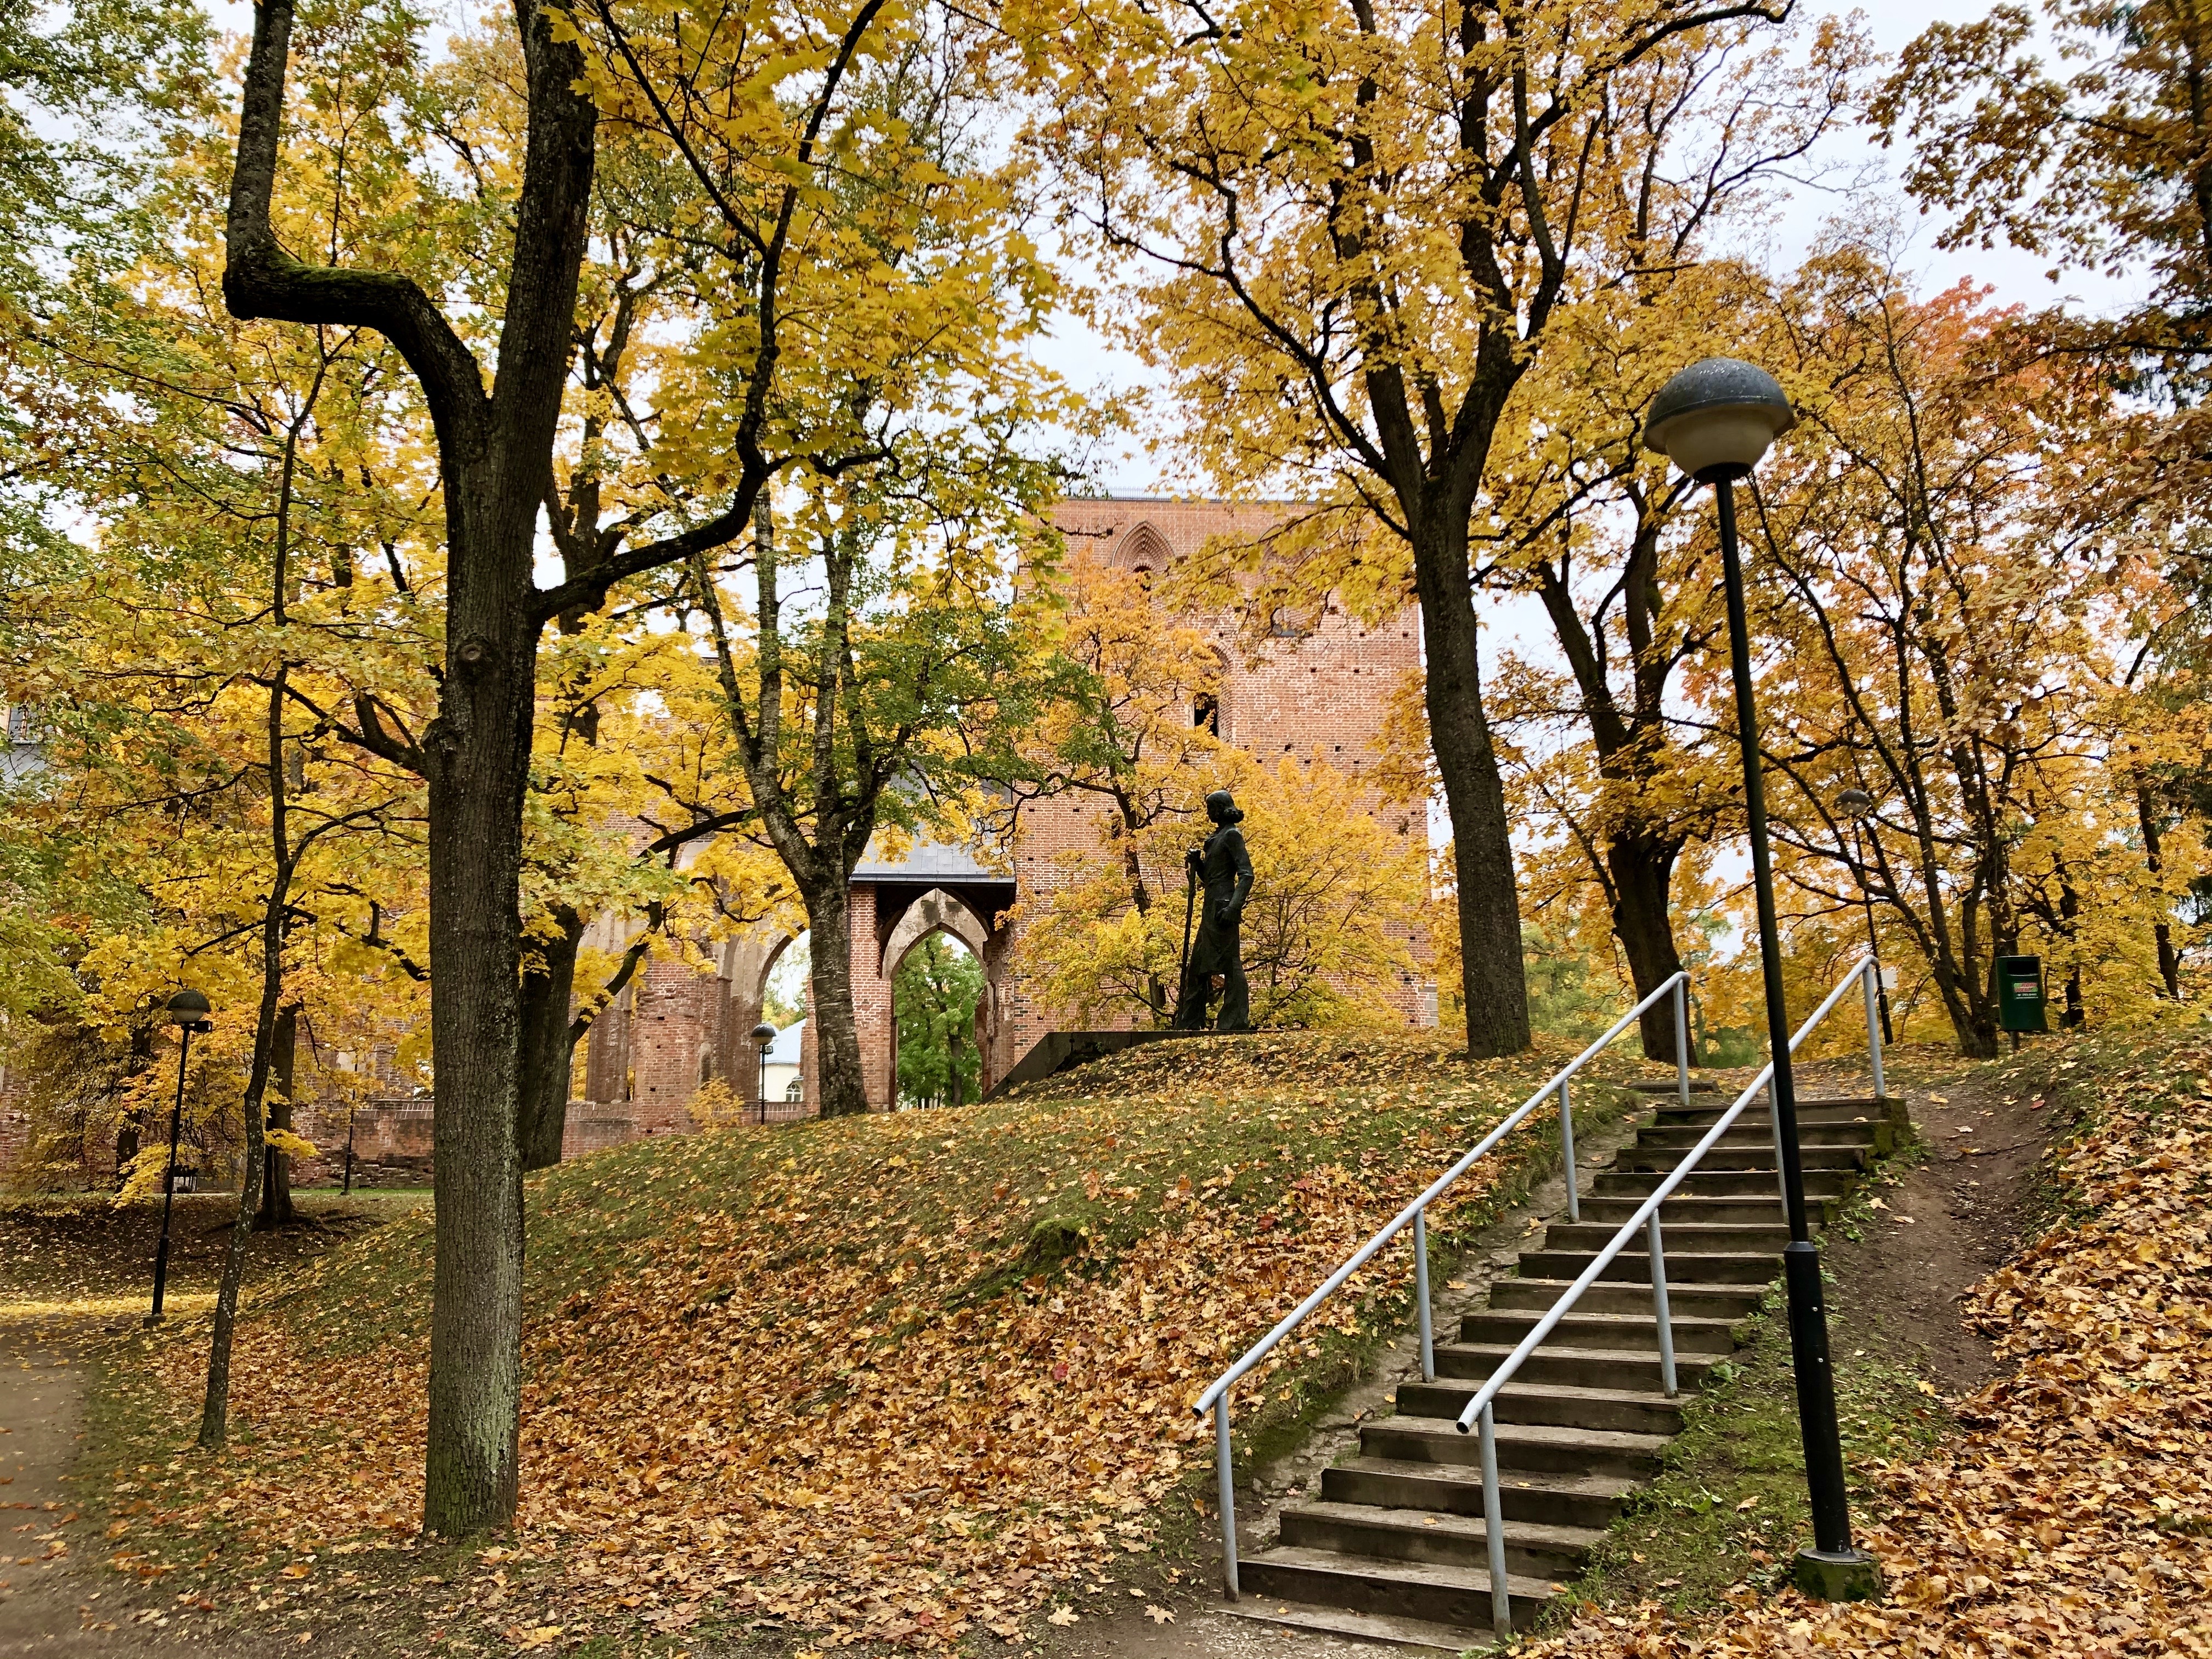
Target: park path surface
(1956,1214)
(70,1278)
(54,1597)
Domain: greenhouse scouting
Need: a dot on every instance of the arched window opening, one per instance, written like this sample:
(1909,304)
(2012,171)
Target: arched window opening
(1206,713)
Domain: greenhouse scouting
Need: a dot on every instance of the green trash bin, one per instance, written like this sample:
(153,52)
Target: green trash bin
(2019,993)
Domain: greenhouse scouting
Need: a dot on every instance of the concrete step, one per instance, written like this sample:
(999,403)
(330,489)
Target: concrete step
(1579,1368)
(1557,1500)
(1697,1086)
(1753,1208)
(1541,1448)
(1740,1136)
(1583,1328)
(1728,1302)
(1385,1628)
(1844,1160)
(1702,1182)
(1412,1590)
(1691,1238)
(1809,1112)
(1450,1540)
(1605,1410)
(1688,1268)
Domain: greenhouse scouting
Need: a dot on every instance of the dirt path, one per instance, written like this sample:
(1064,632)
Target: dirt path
(72,1271)
(1955,1215)
(52,1599)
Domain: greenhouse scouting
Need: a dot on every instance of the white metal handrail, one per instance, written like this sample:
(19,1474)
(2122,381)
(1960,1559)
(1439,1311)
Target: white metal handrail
(1216,1397)
(1479,1409)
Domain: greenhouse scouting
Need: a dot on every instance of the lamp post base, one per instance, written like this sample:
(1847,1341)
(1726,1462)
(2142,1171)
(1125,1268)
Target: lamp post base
(1837,1575)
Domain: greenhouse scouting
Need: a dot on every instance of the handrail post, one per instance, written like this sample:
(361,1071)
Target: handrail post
(1659,1304)
(1682,1038)
(1421,1291)
(1493,1526)
(1227,1473)
(1873,983)
(1567,1150)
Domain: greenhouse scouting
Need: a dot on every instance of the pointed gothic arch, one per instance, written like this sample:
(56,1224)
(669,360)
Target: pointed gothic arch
(1144,549)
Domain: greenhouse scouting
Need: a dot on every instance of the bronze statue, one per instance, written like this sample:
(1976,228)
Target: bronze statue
(1223,869)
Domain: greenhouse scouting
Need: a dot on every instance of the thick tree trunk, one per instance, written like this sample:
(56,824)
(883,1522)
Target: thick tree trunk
(549,1043)
(1492,975)
(1642,871)
(481,747)
(275,1166)
(836,1036)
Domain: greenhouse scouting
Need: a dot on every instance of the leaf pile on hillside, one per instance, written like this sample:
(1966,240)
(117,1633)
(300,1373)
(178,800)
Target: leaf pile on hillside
(888,1377)
(2074,1515)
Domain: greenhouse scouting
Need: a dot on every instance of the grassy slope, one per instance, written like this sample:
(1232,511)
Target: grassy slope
(892,1377)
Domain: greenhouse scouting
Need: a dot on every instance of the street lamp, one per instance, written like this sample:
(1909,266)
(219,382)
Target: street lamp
(1858,807)
(763,1034)
(188,1011)
(1715,420)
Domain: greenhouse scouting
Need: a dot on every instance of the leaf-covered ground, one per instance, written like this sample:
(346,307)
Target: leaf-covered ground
(2073,1513)
(890,1378)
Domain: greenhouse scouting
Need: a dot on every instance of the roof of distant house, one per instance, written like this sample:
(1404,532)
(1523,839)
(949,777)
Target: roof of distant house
(784,1051)
(929,861)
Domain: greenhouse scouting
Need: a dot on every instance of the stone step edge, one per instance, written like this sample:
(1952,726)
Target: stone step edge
(1388,1629)
(1445,1523)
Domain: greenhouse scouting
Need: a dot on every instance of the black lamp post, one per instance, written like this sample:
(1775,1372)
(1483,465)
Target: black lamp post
(188,1011)
(1715,420)
(1859,805)
(763,1034)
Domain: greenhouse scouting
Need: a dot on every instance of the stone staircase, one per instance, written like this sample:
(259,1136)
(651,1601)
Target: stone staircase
(1394,1547)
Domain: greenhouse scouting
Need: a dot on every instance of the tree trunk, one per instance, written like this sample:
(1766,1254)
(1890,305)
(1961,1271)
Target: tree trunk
(1493,976)
(275,1166)
(214,1407)
(1643,870)
(836,1036)
(1971,1021)
(549,1043)
(2169,959)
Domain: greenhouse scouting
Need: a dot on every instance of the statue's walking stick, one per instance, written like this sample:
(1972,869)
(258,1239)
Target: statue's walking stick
(1182,963)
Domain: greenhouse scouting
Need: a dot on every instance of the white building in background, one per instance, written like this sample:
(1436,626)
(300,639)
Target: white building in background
(779,1074)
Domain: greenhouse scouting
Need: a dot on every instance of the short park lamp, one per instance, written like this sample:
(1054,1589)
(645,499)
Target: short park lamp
(188,1011)
(763,1034)
(1715,420)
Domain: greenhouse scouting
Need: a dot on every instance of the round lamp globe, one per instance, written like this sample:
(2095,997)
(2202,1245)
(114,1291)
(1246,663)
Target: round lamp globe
(1717,418)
